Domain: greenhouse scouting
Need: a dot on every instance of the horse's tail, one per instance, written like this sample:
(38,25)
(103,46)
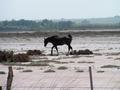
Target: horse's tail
(70,36)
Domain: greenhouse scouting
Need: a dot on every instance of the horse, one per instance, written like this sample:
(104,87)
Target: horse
(56,41)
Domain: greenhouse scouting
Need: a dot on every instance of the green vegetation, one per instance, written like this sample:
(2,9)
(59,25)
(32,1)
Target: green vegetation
(63,24)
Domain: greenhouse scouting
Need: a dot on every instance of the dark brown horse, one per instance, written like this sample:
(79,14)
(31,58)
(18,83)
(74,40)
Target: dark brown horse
(56,40)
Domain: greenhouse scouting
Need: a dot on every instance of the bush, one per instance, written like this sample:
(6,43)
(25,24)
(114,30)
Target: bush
(80,71)
(6,56)
(20,58)
(34,52)
(62,68)
(110,66)
(81,52)
(27,70)
(2,72)
(49,70)
(100,71)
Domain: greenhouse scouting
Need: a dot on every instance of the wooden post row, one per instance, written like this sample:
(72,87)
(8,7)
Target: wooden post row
(9,78)
(91,79)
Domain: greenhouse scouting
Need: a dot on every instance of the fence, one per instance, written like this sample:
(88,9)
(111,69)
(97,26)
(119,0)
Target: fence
(59,88)
(62,88)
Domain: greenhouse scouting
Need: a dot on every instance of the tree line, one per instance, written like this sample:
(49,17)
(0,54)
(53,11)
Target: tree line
(46,24)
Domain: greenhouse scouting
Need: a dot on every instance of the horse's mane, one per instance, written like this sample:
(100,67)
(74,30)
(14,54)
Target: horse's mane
(55,36)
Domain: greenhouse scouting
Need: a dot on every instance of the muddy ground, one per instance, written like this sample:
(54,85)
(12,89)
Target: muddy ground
(64,72)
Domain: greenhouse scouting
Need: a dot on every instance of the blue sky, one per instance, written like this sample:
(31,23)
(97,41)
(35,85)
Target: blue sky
(57,9)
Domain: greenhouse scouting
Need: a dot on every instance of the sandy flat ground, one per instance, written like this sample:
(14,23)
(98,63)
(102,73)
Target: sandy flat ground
(106,48)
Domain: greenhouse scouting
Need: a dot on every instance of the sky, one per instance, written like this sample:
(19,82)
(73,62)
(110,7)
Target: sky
(57,9)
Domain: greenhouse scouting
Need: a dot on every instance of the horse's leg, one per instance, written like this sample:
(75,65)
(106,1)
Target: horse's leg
(69,48)
(57,50)
(52,50)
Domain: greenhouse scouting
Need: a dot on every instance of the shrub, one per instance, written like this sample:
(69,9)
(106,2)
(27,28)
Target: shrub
(62,68)
(27,70)
(2,72)
(100,71)
(20,58)
(80,71)
(38,64)
(6,56)
(81,52)
(110,66)
(49,70)
(34,52)
(19,68)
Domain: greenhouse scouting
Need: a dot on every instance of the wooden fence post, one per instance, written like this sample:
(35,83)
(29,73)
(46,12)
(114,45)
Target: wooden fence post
(0,87)
(91,80)
(9,78)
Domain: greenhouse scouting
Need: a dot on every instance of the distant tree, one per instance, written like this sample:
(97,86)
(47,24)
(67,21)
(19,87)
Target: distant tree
(65,24)
(85,22)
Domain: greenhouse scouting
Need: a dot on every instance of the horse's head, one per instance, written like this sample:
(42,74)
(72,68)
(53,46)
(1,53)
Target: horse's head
(45,42)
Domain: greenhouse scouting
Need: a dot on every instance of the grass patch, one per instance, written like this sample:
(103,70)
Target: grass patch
(27,71)
(2,72)
(85,62)
(80,71)
(110,66)
(30,64)
(81,52)
(49,70)
(34,52)
(117,59)
(6,56)
(38,64)
(72,62)
(113,54)
(20,58)
(19,68)
(100,71)
(62,68)
(52,61)
(75,56)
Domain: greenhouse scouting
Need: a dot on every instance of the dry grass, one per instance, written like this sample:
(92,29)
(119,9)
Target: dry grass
(80,71)
(6,56)
(52,61)
(81,52)
(75,56)
(34,52)
(110,66)
(72,62)
(117,58)
(38,63)
(49,70)
(27,70)
(113,54)
(19,68)
(85,62)
(20,58)
(100,71)
(2,72)
(9,56)
(62,68)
